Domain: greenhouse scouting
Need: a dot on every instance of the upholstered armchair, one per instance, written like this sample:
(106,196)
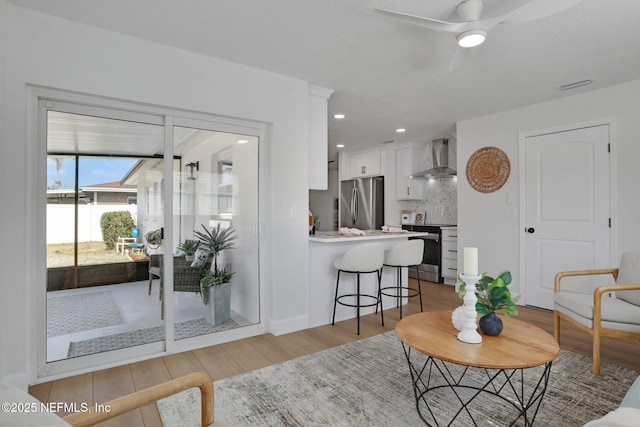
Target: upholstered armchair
(609,311)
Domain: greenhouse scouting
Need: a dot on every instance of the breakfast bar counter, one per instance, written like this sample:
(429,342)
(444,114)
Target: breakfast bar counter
(370,235)
(327,246)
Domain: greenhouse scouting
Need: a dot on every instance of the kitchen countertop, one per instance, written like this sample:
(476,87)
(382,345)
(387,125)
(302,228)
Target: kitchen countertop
(335,237)
(431,225)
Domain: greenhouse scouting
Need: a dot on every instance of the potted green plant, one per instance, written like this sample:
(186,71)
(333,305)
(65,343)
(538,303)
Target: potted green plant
(189,247)
(216,295)
(216,284)
(494,297)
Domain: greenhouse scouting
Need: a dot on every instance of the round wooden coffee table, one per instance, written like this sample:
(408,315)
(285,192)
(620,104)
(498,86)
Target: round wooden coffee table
(470,384)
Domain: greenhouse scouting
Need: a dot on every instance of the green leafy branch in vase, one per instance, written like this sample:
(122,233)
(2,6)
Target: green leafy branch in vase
(493,294)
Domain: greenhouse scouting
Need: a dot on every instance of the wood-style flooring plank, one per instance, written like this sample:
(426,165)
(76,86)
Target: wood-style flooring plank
(220,365)
(41,391)
(181,364)
(74,390)
(347,330)
(271,349)
(113,383)
(296,343)
(328,336)
(146,374)
(245,355)
(208,351)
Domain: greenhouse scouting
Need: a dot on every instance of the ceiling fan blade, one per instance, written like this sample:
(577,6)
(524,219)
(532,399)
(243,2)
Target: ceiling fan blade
(459,57)
(538,9)
(433,24)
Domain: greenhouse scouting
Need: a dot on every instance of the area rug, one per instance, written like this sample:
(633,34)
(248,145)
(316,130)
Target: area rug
(367,383)
(67,314)
(187,329)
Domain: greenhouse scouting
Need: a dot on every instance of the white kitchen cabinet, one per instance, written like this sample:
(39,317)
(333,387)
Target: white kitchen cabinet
(365,164)
(318,138)
(409,161)
(450,255)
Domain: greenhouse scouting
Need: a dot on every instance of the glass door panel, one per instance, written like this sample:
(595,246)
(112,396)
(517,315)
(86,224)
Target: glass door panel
(215,209)
(104,196)
(61,213)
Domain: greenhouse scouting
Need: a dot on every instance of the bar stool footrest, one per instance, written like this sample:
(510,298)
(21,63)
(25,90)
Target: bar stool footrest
(354,296)
(411,292)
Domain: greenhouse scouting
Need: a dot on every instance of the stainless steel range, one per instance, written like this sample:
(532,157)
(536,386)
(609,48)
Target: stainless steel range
(431,267)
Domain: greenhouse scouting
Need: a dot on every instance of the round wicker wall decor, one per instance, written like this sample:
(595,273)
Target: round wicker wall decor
(488,169)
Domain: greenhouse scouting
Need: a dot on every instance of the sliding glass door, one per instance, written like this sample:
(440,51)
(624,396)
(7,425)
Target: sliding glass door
(152,234)
(215,228)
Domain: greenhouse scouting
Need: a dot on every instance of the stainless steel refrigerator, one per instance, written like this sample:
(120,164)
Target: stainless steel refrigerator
(362,203)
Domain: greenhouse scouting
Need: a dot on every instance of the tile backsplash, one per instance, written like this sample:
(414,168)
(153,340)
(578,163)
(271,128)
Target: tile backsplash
(440,204)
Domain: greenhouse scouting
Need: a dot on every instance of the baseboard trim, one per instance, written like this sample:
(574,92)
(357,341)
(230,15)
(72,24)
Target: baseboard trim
(286,326)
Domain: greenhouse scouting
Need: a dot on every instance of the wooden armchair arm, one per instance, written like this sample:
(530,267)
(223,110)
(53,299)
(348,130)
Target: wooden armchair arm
(602,289)
(141,398)
(563,274)
(597,297)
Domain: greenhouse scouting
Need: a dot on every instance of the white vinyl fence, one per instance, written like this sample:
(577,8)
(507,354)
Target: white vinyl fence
(60,221)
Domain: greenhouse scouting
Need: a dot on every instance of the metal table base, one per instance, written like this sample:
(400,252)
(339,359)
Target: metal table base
(469,397)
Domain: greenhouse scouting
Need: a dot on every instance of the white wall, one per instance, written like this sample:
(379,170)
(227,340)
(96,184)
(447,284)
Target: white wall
(481,217)
(6,356)
(48,51)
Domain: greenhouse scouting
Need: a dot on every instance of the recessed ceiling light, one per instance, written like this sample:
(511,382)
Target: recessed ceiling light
(338,116)
(400,130)
(471,38)
(242,141)
(340,145)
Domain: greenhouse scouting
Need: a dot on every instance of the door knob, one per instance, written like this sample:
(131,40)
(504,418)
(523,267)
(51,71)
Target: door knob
(531,230)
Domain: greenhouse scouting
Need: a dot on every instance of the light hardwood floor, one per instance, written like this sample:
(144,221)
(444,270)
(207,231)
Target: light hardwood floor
(245,355)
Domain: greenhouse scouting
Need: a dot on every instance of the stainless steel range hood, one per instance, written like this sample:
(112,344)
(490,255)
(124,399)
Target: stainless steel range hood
(440,167)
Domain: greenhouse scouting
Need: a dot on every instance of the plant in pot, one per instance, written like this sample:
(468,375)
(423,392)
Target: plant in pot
(215,286)
(216,295)
(189,248)
(494,297)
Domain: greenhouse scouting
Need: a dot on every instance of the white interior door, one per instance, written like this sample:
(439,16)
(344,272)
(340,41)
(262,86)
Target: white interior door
(567,209)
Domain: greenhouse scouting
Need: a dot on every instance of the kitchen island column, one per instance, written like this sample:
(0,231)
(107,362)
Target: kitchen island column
(324,249)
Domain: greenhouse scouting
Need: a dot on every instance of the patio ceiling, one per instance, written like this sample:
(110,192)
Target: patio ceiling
(74,133)
(88,135)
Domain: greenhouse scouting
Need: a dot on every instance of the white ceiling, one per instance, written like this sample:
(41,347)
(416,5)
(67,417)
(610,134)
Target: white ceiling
(386,73)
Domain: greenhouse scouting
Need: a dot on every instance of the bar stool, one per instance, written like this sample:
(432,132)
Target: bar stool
(406,254)
(361,259)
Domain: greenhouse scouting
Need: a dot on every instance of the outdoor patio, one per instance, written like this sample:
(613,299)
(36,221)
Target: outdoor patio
(102,318)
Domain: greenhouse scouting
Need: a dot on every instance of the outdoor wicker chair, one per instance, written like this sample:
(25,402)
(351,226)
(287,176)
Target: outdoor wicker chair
(185,277)
(154,270)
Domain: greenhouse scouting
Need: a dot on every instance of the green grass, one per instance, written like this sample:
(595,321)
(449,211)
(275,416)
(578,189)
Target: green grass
(89,253)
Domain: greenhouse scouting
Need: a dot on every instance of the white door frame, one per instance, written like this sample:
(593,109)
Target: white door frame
(613,191)
(39,369)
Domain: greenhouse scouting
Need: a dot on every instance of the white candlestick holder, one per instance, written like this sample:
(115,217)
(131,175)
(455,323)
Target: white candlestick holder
(469,332)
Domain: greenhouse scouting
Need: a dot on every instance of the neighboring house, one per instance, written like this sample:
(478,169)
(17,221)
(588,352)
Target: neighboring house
(108,193)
